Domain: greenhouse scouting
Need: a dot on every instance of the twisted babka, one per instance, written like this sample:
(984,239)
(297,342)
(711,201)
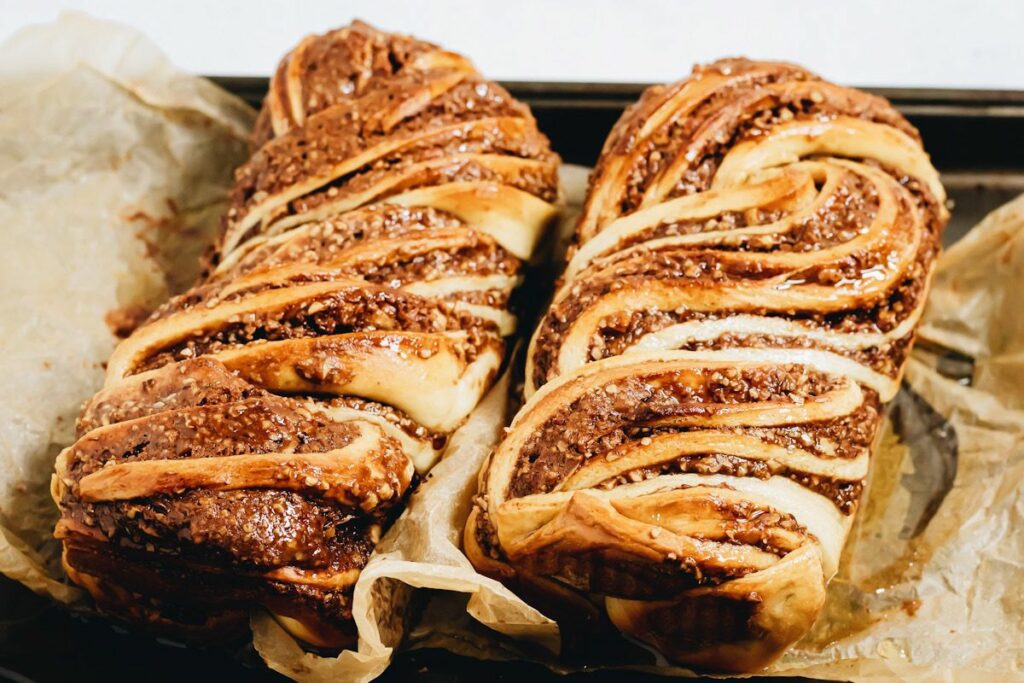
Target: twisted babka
(706,389)
(256,434)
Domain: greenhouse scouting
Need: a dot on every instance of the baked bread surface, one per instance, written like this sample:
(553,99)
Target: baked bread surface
(705,391)
(256,435)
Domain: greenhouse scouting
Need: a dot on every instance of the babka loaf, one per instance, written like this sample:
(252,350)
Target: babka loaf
(255,436)
(705,391)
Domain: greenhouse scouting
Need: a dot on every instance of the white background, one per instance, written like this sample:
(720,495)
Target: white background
(952,43)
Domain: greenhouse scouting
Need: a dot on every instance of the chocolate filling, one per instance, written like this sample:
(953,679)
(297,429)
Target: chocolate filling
(348,310)
(598,421)
(341,133)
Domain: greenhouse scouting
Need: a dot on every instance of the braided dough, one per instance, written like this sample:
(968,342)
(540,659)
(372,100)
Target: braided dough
(257,434)
(704,392)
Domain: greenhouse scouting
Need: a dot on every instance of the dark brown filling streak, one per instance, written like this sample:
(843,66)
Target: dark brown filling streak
(482,256)
(326,238)
(188,591)
(696,268)
(265,424)
(205,382)
(763,110)
(400,160)
(598,421)
(369,60)
(325,84)
(661,149)
(479,259)
(339,134)
(843,493)
(837,221)
(540,183)
(248,530)
(347,311)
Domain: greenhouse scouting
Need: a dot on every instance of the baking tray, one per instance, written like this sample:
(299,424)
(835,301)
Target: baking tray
(976,140)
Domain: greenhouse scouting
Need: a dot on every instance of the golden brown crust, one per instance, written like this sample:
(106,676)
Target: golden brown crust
(356,116)
(257,434)
(705,390)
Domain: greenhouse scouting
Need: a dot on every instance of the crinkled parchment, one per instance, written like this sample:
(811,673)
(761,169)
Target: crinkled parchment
(932,581)
(113,168)
(113,171)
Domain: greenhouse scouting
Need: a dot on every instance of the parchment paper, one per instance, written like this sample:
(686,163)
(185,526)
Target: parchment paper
(113,168)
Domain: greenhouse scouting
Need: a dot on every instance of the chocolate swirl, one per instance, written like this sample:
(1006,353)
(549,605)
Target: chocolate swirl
(256,435)
(704,393)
